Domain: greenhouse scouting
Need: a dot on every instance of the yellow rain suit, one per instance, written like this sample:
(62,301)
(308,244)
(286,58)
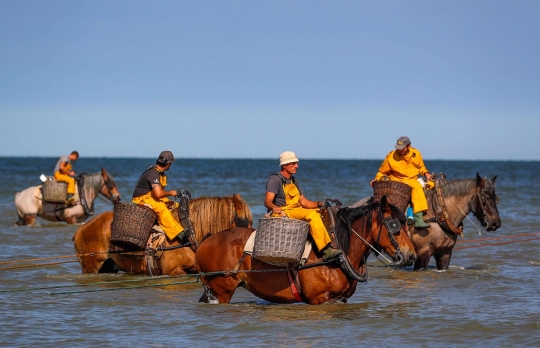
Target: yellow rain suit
(294,210)
(166,220)
(406,169)
(66,178)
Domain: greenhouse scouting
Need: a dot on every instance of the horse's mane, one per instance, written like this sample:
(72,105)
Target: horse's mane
(455,188)
(215,214)
(347,216)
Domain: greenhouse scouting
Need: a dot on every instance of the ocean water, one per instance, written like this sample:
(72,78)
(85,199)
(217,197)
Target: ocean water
(489,296)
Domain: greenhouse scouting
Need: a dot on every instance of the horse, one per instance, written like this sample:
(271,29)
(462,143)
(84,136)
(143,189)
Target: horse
(458,198)
(208,215)
(29,203)
(223,267)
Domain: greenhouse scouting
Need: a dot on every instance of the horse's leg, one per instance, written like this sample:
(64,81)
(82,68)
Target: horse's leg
(27,220)
(422,260)
(443,260)
(218,254)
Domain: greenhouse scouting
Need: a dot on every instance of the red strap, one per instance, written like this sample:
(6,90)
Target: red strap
(294,289)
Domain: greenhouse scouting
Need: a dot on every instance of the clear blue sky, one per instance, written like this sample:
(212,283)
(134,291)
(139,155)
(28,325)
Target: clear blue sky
(251,79)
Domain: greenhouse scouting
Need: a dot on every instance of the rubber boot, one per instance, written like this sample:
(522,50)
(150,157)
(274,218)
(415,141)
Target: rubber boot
(330,253)
(410,216)
(419,221)
(70,198)
(183,236)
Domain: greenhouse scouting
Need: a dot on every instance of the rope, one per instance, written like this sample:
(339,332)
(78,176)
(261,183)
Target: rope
(499,243)
(40,259)
(499,237)
(37,265)
(122,288)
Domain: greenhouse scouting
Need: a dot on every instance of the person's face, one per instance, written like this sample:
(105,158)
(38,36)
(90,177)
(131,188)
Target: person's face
(404,151)
(291,168)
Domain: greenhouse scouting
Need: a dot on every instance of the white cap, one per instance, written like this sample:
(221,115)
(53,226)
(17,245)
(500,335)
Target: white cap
(287,157)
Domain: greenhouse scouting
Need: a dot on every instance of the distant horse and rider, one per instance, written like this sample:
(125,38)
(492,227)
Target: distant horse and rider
(30,203)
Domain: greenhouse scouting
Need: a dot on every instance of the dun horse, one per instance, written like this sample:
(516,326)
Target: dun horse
(319,282)
(96,254)
(29,202)
(460,197)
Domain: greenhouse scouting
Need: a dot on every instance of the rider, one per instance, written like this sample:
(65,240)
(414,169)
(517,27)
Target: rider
(150,191)
(63,171)
(405,164)
(284,197)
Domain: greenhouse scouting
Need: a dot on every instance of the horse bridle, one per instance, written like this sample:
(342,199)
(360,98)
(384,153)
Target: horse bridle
(482,203)
(393,226)
(108,184)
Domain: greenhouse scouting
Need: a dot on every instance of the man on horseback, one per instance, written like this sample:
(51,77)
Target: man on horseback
(63,171)
(150,191)
(284,197)
(405,164)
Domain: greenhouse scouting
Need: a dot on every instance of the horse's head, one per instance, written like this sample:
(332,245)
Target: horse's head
(484,206)
(381,225)
(242,213)
(108,187)
(391,235)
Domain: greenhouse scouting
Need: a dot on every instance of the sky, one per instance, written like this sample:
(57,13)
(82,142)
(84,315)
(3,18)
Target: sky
(254,78)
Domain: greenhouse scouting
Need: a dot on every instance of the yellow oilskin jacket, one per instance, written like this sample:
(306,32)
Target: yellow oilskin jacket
(166,220)
(294,210)
(66,178)
(406,169)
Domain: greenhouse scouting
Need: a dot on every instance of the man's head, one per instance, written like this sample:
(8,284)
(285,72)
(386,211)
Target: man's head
(402,142)
(288,162)
(165,158)
(74,156)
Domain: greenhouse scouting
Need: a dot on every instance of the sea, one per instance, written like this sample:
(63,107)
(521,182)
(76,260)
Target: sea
(490,295)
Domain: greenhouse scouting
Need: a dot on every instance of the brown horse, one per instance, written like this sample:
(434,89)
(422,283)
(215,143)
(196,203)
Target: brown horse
(208,215)
(29,202)
(461,197)
(320,282)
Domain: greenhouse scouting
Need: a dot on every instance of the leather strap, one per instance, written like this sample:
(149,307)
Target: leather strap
(442,214)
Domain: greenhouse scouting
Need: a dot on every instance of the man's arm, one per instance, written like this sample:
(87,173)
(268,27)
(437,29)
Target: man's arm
(306,203)
(159,192)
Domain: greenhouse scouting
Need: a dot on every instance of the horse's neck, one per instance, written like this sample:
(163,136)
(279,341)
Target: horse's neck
(458,203)
(92,185)
(358,248)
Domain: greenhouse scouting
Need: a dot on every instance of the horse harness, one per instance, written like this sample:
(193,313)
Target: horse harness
(441,212)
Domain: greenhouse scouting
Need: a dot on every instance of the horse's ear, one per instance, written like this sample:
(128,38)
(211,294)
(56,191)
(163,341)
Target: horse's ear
(479,180)
(494,178)
(104,174)
(384,202)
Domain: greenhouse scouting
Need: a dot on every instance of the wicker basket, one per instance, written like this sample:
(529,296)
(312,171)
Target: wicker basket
(54,191)
(398,193)
(131,226)
(280,241)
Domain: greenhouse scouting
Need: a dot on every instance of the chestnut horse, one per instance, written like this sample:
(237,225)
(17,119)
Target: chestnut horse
(319,282)
(461,197)
(29,202)
(207,214)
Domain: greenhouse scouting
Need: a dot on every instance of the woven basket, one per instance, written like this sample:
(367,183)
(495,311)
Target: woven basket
(280,241)
(131,226)
(54,191)
(397,193)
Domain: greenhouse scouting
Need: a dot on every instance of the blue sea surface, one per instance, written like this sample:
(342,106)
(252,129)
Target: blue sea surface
(488,296)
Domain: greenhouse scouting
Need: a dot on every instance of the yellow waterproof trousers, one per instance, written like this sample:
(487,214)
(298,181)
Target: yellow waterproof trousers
(168,223)
(418,197)
(316,226)
(294,210)
(66,178)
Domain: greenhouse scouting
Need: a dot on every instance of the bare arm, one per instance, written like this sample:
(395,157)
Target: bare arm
(159,192)
(306,203)
(64,169)
(268,203)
